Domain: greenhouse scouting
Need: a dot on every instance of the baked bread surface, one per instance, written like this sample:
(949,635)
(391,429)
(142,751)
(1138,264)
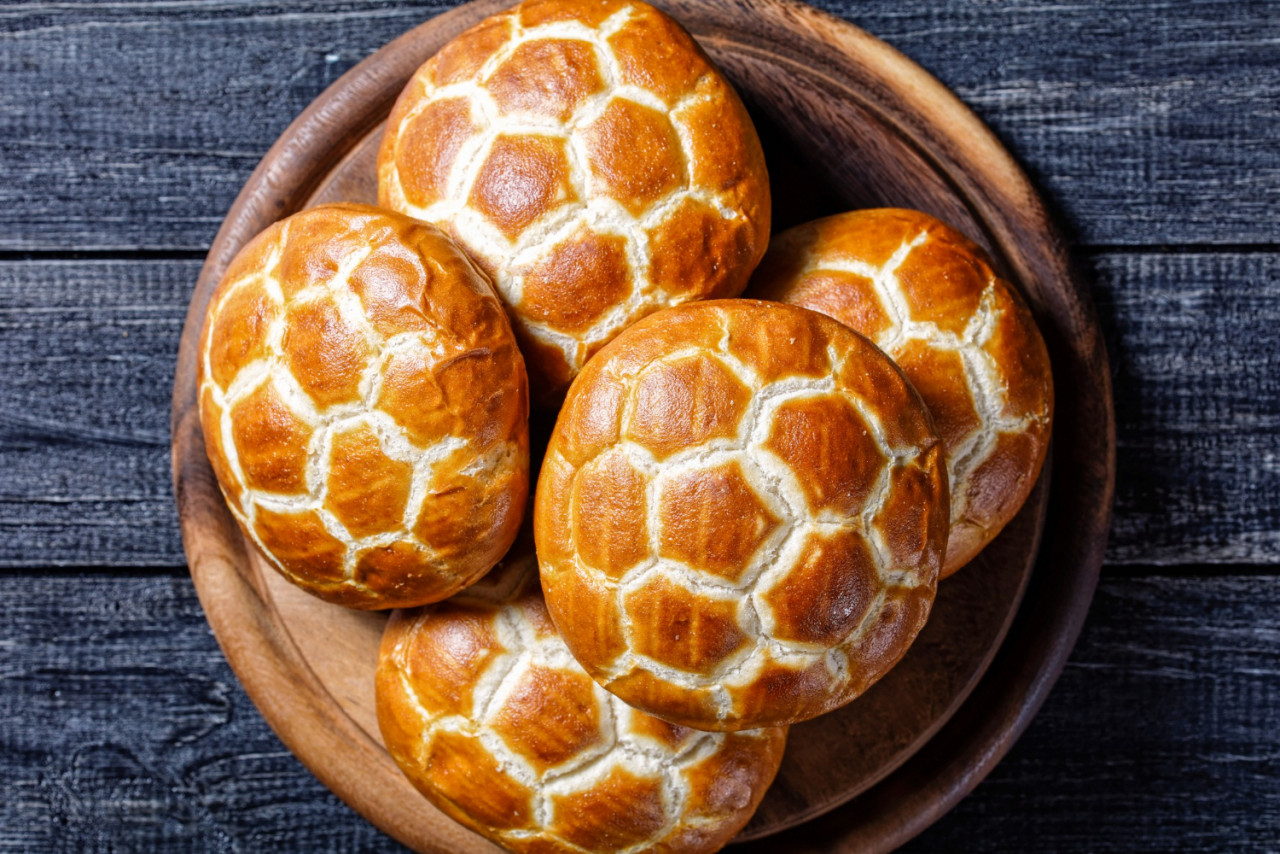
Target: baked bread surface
(591,159)
(928,297)
(487,713)
(741,515)
(364,407)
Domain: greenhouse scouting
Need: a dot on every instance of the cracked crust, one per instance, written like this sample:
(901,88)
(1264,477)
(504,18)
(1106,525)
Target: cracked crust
(928,297)
(741,516)
(364,407)
(594,163)
(487,713)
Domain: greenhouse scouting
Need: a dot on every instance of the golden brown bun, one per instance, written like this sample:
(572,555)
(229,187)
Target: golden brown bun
(365,408)
(487,713)
(741,515)
(963,336)
(593,162)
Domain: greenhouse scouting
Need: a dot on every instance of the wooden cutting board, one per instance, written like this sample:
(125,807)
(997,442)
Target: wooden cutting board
(846,122)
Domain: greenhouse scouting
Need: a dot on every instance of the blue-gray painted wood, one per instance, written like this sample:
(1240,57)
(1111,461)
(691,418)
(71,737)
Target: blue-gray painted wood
(1160,736)
(126,130)
(86,364)
(132,125)
(122,729)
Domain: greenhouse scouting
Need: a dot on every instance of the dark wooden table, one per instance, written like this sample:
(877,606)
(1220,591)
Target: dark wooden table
(1153,131)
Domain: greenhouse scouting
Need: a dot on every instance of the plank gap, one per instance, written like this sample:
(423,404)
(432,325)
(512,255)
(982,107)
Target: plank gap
(122,254)
(1189,571)
(94,571)
(1094,250)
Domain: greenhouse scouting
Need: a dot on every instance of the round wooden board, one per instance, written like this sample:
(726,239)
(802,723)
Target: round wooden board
(847,122)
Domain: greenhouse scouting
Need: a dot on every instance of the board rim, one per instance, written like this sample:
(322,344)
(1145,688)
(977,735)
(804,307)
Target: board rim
(965,752)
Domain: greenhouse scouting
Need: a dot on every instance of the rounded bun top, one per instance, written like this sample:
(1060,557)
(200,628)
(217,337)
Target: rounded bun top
(741,515)
(963,336)
(364,407)
(488,714)
(592,160)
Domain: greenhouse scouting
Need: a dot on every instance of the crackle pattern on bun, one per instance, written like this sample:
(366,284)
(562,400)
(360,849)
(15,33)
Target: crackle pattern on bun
(487,713)
(741,515)
(928,297)
(593,162)
(364,407)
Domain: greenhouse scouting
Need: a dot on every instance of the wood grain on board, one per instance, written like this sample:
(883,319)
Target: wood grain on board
(873,129)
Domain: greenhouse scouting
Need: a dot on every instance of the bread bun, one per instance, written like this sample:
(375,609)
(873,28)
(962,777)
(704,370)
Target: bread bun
(594,163)
(741,515)
(489,716)
(928,297)
(364,407)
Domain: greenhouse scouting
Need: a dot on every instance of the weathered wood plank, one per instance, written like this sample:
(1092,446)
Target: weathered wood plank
(122,727)
(86,372)
(1160,736)
(1144,122)
(86,363)
(132,125)
(1197,393)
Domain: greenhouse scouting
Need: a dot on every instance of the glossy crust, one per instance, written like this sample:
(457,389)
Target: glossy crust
(594,163)
(741,515)
(489,716)
(365,408)
(963,336)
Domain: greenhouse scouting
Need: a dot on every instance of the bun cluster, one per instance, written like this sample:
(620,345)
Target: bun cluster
(745,505)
